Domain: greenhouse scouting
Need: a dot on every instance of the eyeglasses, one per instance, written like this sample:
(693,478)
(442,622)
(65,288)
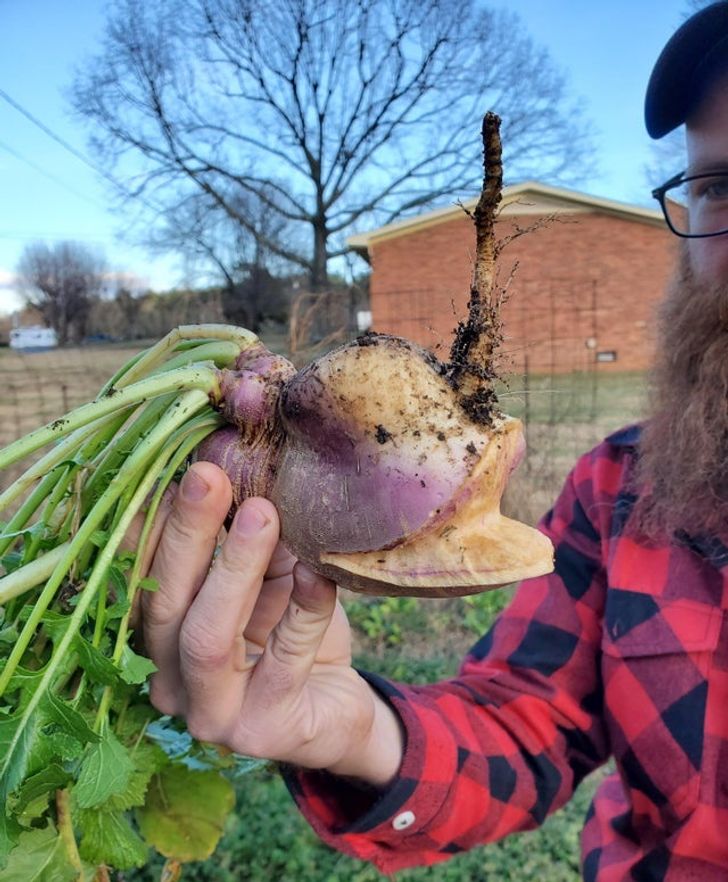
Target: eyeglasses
(695,206)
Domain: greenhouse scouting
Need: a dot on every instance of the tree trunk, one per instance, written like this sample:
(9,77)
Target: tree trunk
(319,268)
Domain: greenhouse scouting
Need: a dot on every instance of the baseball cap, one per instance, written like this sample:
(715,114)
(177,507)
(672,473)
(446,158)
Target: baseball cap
(695,54)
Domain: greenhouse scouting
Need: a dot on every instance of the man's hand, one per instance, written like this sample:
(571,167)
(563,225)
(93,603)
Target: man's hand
(253,649)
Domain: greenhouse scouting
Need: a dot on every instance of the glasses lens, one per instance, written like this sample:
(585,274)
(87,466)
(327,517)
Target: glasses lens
(698,206)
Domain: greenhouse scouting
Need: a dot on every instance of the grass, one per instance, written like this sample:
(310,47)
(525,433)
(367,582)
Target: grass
(413,641)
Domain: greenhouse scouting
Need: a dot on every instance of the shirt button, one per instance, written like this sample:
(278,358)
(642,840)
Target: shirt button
(403,820)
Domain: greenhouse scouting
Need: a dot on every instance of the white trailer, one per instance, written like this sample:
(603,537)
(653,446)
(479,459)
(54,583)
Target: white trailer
(33,339)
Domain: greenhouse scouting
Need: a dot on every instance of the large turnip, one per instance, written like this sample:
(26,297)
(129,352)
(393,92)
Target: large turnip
(387,467)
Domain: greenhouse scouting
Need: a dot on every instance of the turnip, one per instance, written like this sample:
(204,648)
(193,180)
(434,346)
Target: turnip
(386,465)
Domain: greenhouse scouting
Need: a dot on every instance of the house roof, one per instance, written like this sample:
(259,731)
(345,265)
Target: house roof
(529,197)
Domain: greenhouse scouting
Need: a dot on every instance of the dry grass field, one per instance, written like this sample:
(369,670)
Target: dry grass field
(36,387)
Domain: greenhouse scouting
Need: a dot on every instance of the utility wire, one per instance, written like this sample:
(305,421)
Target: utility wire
(47,174)
(57,138)
(77,153)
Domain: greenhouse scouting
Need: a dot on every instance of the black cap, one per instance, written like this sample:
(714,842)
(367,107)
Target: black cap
(695,54)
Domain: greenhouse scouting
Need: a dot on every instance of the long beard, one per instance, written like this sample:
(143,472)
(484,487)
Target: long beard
(683,464)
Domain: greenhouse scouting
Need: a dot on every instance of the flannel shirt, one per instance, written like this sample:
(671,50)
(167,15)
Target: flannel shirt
(621,652)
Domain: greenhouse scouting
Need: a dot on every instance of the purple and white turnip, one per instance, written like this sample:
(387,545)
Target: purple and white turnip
(387,467)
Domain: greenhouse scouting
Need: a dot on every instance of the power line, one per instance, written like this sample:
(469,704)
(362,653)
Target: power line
(13,152)
(77,153)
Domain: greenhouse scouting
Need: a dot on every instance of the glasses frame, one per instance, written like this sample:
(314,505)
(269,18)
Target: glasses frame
(681,178)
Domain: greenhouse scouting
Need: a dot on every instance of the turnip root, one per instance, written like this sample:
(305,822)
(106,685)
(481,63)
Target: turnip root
(384,483)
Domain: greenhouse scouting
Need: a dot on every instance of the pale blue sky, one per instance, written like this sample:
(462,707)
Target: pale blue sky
(606,48)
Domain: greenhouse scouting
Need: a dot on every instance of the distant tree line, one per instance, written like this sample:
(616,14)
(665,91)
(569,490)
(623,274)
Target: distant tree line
(71,291)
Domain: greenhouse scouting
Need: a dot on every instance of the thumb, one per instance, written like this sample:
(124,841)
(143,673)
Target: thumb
(295,641)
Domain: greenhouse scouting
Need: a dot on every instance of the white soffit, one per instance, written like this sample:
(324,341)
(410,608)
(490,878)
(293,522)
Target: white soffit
(530,198)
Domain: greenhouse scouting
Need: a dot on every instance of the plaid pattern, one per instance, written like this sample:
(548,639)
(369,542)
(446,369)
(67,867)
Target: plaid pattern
(623,652)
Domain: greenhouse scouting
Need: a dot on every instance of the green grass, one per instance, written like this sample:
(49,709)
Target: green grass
(267,839)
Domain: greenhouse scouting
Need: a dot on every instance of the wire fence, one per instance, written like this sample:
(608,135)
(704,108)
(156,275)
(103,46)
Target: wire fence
(565,410)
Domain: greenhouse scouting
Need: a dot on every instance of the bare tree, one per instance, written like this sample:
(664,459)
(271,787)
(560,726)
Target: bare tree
(220,250)
(331,114)
(61,281)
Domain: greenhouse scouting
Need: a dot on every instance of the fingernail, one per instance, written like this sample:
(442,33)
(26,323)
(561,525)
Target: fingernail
(250,520)
(193,487)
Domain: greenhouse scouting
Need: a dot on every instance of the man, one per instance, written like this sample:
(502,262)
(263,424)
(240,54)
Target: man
(621,652)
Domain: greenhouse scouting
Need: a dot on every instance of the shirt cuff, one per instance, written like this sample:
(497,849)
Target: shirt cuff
(364,821)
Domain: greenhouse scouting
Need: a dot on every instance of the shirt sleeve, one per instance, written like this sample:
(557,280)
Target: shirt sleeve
(505,742)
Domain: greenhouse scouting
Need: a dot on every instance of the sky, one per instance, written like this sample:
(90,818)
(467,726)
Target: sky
(47,193)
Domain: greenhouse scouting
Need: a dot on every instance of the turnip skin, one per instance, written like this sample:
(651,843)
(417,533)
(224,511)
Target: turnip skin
(367,450)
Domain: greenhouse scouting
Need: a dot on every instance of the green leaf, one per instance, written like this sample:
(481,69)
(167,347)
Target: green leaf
(8,635)
(51,778)
(65,746)
(9,834)
(118,580)
(149,584)
(11,561)
(99,538)
(135,720)
(148,759)
(39,857)
(17,734)
(108,838)
(125,560)
(99,668)
(25,680)
(135,668)
(70,720)
(55,625)
(105,772)
(185,812)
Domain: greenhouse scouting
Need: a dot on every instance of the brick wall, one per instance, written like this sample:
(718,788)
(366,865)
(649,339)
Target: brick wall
(587,277)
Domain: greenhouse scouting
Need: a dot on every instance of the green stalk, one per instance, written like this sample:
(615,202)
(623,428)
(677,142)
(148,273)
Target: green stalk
(113,455)
(60,453)
(32,574)
(200,377)
(220,352)
(65,828)
(189,437)
(157,353)
(180,412)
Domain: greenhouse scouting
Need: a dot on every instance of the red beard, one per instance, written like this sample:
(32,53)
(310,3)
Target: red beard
(684,448)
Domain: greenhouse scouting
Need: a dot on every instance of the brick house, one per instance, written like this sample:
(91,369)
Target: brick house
(584,290)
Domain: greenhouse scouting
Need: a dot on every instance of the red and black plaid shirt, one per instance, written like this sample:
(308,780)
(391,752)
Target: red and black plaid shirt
(623,652)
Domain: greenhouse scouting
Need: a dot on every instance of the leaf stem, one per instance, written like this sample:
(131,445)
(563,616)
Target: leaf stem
(65,828)
(198,377)
(157,353)
(60,453)
(181,411)
(32,574)
(189,437)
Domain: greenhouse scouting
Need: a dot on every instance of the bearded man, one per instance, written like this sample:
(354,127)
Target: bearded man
(621,652)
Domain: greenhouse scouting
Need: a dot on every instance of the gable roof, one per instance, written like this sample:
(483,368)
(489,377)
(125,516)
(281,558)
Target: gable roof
(529,197)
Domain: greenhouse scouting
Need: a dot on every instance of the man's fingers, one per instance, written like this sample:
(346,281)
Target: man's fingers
(282,671)
(212,649)
(180,565)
